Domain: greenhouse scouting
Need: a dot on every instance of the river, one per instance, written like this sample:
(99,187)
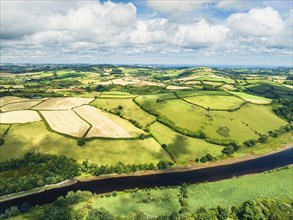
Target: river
(272,161)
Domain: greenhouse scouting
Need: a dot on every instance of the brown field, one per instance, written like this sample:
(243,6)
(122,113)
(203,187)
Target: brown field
(62,103)
(130,81)
(11,99)
(189,78)
(66,122)
(7,75)
(101,125)
(178,87)
(23,116)
(19,105)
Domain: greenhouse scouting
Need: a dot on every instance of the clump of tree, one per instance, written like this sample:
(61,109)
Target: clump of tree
(41,169)
(231,148)
(283,107)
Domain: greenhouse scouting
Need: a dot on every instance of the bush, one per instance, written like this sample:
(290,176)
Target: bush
(80,142)
(164,146)
(1,141)
(228,150)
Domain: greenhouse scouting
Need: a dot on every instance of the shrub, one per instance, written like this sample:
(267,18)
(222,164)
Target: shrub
(1,141)
(80,142)
(228,150)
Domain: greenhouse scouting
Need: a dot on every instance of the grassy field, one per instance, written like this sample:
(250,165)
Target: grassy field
(23,138)
(183,148)
(252,98)
(230,192)
(3,129)
(216,101)
(243,124)
(129,109)
(161,202)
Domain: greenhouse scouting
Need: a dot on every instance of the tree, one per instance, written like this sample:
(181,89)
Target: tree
(164,146)
(80,142)
(228,150)
(1,141)
(263,138)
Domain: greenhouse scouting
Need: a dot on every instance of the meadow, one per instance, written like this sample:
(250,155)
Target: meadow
(237,190)
(20,140)
(183,148)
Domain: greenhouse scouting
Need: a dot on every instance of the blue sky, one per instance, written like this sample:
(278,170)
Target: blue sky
(194,32)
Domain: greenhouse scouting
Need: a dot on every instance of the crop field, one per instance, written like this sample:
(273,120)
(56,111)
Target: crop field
(20,140)
(252,98)
(116,95)
(216,102)
(22,116)
(129,109)
(62,103)
(19,106)
(66,122)
(11,99)
(101,125)
(183,148)
(152,202)
(178,87)
(236,191)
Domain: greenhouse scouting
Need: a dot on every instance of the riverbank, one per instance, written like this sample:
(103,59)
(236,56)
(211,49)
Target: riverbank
(176,169)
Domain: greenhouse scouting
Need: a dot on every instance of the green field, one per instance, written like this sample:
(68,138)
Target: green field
(151,202)
(183,148)
(252,98)
(3,129)
(230,192)
(216,101)
(243,124)
(129,109)
(23,138)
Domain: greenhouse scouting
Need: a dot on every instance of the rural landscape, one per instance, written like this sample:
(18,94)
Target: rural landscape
(77,121)
(146,110)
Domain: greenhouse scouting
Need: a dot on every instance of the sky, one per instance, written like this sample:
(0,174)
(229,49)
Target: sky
(183,32)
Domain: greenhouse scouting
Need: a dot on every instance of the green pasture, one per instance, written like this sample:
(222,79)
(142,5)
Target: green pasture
(181,147)
(243,124)
(23,138)
(277,184)
(252,98)
(129,109)
(152,202)
(216,101)
(3,129)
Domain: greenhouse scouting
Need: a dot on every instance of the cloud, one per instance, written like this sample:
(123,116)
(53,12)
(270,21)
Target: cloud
(85,29)
(237,5)
(257,22)
(167,6)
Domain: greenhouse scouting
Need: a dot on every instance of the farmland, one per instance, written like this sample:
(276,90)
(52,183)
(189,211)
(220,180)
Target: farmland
(66,122)
(142,118)
(101,125)
(23,116)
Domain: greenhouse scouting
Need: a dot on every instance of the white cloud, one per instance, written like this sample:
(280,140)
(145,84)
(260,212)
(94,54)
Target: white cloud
(89,29)
(237,4)
(257,22)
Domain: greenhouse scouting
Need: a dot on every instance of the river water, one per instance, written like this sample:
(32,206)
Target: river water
(257,165)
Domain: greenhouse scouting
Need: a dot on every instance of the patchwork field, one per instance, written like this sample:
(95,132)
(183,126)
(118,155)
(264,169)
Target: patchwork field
(236,191)
(62,103)
(183,148)
(101,125)
(19,105)
(22,116)
(20,140)
(129,109)
(66,122)
(249,119)
(216,102)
